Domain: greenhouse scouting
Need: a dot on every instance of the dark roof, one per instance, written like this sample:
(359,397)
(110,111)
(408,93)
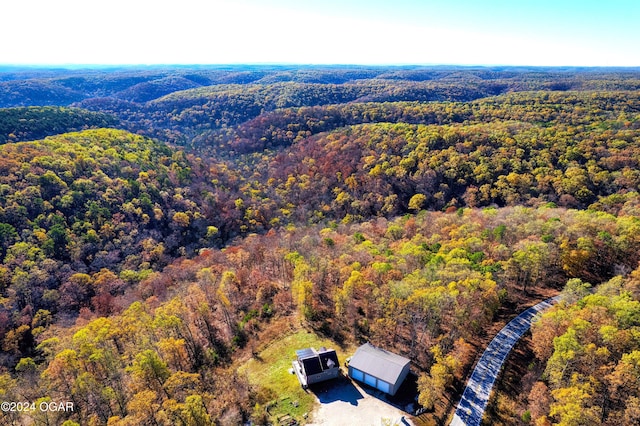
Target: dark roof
(312,366)
(378,362)
(329,355)
(315,362)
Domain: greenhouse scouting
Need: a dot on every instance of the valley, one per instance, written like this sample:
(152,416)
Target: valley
(163,229)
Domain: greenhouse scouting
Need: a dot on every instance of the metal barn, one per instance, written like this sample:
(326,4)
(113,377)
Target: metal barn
(378,368)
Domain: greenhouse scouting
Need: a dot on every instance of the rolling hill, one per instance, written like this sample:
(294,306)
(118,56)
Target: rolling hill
(161,226)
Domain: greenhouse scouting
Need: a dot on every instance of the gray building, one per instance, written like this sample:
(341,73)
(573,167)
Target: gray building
(378,368)
(313,366)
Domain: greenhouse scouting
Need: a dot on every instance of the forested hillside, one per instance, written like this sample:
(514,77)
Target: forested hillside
(27,124)
(432,281)
(159,227)
(589,347)
(83,217)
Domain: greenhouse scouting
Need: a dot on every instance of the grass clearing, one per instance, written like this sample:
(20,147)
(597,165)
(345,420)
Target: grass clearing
(270,371)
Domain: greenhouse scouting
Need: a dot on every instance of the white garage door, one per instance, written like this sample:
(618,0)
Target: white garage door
(370,380)
(357,374)
(383,386)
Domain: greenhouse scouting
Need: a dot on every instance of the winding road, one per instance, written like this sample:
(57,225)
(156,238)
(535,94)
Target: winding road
(474,399)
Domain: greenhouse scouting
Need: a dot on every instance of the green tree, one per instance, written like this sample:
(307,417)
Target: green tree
(417,202)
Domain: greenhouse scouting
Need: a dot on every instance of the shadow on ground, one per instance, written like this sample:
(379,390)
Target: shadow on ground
(406,397)
(340,389)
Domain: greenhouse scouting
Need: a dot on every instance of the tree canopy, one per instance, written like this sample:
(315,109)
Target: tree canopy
(159,226)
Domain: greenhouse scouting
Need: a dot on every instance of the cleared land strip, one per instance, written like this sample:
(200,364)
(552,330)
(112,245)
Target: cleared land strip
(474,399)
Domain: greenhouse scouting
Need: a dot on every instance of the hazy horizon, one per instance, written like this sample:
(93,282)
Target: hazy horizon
(543,33)
(298,66)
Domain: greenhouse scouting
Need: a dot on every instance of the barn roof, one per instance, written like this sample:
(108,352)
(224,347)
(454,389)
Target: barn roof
(378,362)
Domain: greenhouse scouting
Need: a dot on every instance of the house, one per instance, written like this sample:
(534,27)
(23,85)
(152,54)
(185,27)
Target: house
(313,366)
(378,368)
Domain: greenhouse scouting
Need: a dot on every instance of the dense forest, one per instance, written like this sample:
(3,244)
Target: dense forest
(161,226)
(32,123)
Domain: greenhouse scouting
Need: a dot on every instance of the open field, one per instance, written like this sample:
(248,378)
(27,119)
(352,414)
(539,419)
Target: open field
(270,370)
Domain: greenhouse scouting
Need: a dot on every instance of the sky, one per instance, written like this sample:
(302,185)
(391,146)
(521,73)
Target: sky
(368,32)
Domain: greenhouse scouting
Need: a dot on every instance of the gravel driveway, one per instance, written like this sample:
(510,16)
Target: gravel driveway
(474,399)
(344,402)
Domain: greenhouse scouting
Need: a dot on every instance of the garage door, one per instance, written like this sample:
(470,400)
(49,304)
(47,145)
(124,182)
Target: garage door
(370,380)
(383,386)
(357,374)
